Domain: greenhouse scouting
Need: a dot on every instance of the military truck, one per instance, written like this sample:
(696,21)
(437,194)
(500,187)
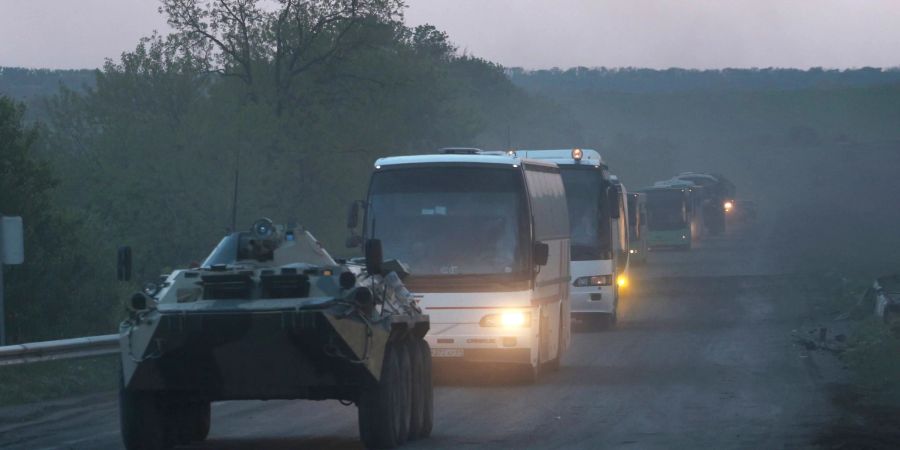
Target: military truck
(271,315)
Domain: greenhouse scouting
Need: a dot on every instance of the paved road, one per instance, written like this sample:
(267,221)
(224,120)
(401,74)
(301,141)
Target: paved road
(702,358)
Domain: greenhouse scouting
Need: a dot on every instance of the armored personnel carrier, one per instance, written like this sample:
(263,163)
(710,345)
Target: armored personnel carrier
(270,315)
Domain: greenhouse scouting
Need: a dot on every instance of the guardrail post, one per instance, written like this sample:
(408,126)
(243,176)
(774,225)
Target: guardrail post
(12,251)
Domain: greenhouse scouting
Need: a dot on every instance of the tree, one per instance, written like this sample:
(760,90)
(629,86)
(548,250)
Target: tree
(272,48)
(58,291)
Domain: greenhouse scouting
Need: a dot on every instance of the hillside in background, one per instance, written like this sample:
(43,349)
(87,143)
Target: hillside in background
(33,86)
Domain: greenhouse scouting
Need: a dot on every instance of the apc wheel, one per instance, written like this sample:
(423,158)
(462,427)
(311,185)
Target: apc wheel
(379,404)
(427,390)
(190,420)
(417,400)
(404,416)
(202,420)
(142,421)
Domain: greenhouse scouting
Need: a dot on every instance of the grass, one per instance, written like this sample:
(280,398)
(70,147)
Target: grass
(873,356)
(34,382)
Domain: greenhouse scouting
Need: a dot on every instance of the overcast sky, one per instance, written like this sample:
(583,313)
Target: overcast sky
(528,33)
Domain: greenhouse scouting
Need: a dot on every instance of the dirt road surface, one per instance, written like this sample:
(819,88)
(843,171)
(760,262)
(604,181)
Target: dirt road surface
(702,358)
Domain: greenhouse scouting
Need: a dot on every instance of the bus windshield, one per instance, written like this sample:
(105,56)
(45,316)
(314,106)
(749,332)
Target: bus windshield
(451,220)
(666,209)
(589,221)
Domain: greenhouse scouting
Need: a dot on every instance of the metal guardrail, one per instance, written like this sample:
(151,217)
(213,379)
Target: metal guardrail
(62,349)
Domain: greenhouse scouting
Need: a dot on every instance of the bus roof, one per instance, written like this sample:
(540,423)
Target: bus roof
(675,183)
(697,175)
(496,158)
(664,186)
(564,156)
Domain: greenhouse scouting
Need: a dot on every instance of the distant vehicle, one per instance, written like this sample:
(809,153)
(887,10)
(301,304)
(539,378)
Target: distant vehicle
(598,237)
(637,227)
(270,315)
(669,216)
(486,237)
(696,200)
(718,198)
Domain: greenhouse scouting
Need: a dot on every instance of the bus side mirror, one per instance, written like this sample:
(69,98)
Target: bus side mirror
(123,263)
(612,199)
(353,215)
(541,253)
(374,256)
(354,240)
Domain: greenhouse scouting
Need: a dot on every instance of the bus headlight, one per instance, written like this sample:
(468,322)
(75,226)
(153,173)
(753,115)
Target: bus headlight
(507,319)
(596,280)
(729,205)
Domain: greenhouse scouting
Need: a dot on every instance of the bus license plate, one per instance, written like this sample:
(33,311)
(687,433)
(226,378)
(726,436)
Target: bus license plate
(447,352)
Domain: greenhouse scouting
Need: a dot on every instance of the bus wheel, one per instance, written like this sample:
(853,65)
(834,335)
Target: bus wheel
(531,373)
(553,364)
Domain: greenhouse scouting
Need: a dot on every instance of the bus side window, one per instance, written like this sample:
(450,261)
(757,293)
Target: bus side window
(551,218)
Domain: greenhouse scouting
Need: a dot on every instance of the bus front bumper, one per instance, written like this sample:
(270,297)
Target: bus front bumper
(472,343)
(592,300)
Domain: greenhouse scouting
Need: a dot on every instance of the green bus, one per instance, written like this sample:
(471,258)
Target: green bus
(669,216)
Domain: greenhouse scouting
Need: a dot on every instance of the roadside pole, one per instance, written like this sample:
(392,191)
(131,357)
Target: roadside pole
(12,251)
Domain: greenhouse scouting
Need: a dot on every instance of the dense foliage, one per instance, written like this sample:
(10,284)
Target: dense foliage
(60,289)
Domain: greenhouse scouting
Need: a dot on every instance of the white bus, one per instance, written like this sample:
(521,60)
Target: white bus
(598,232)
(486,238)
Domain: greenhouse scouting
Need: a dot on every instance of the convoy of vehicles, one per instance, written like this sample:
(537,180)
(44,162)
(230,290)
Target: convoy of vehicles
(486,237)
(598,239)
(270,315)
(499,251)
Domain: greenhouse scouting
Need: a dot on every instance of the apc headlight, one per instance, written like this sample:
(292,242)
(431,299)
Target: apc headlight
(150,289)
(507,319)
(596,280)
